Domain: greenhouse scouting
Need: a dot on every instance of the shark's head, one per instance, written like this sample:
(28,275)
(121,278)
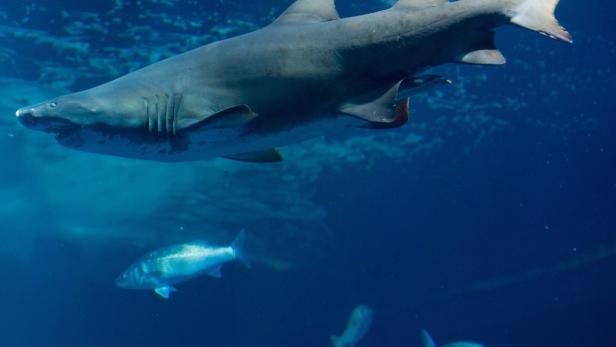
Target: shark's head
(126,123)
(99,121)
(60,116)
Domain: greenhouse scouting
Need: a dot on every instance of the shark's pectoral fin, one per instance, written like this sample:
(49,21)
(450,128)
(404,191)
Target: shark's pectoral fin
(481,50)
(226,125)
(418,4)
(165,291)
(266,156)
(229,118)
(309,11)
(382,112)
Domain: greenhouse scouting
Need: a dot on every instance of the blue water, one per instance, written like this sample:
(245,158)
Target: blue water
(490,217)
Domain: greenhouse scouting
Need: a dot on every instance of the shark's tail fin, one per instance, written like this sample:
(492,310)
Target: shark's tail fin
(426,339)
(239,248)
(538,15)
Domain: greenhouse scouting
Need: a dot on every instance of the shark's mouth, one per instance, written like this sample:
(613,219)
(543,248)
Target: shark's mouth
(54,125)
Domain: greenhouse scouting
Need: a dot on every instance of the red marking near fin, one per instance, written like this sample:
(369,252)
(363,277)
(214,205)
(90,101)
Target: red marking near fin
(401,116)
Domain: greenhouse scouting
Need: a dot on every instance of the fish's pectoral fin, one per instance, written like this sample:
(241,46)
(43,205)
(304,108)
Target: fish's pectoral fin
(266,156)
(309,11)
(165,291)
(480,49)
(216,272)
(382,112)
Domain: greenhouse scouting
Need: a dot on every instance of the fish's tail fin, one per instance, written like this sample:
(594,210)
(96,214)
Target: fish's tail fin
(239,248)
(426,339)
(538,15)
(335,340)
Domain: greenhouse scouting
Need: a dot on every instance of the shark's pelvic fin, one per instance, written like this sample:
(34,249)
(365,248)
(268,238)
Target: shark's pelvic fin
(481,50)
(266,156)
(309,11)
(419,4)
(483,57)
(380,112)
(538,15)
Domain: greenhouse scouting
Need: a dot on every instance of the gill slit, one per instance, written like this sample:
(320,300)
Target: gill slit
(169,113)
(177,100)
(147,113)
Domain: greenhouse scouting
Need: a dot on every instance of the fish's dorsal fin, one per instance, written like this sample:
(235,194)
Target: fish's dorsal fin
(309,11)
(382,112)
(266,156)
(426,339)
(419,4)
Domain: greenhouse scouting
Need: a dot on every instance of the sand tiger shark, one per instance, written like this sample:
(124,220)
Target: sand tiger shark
(307,74)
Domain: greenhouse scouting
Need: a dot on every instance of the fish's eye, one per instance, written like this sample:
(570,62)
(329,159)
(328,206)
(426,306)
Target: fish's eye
(53,104)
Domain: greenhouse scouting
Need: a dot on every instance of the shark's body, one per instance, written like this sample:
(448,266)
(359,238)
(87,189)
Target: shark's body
(300,77)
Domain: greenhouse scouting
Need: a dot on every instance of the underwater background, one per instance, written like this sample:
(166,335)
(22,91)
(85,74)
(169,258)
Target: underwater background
(490,217)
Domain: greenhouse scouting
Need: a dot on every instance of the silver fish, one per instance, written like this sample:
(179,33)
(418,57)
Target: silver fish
(161,269)
(357,327)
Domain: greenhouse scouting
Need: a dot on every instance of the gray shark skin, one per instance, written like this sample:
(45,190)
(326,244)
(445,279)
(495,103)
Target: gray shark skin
(308,74)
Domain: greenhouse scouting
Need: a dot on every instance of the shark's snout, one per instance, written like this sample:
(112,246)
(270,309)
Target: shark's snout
(29,118)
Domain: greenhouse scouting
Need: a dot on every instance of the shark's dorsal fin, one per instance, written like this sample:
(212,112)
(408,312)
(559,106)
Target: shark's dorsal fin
(419,4)
(382,112)
(266,156)
(309,11)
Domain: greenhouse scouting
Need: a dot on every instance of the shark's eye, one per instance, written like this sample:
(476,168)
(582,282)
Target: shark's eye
(53,104)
